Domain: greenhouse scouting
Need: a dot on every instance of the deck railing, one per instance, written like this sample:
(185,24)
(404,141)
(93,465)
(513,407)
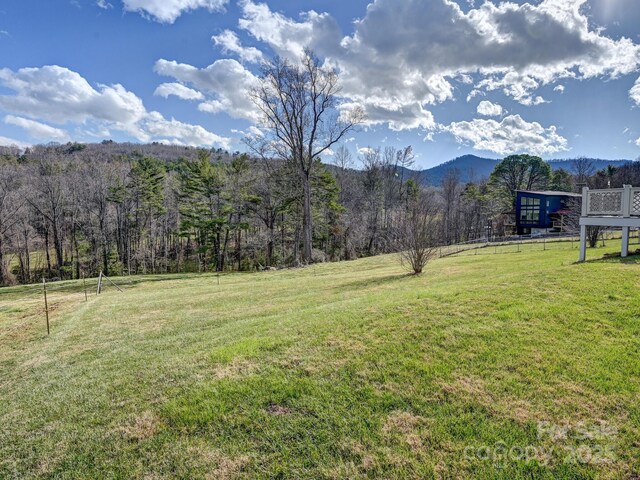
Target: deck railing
(615,202)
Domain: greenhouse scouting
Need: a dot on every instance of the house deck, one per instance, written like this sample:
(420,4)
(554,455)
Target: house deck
(613,207)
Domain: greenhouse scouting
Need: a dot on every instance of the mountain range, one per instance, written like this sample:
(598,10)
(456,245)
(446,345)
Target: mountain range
(469,167)
(474,168)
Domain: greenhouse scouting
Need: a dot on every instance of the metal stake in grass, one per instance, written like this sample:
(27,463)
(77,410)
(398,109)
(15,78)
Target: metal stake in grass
(46,305)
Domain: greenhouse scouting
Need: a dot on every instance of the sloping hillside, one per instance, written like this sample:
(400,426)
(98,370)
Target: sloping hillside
(347,370)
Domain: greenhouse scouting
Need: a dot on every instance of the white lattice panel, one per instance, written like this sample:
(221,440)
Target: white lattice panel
(605,202)
(635,202)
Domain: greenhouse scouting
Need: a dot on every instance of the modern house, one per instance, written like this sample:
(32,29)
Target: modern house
(612,207)
(544,211)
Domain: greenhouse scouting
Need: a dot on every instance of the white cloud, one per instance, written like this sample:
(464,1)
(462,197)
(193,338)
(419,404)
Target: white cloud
(559,88)
(489,109)
(156,126)
(178,90)
(10,142)
(61,96)
(287,37)
(229,42)
(366,151)
(37,130)
(511,135)
(634,93)
(519,87)
(226,84)
(403,56)
(104,4)
(167,11)
(397,117)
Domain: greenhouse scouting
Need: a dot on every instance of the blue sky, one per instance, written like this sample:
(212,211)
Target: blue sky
(553,77)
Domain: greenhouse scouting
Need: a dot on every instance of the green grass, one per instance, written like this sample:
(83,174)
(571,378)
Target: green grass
(336,371)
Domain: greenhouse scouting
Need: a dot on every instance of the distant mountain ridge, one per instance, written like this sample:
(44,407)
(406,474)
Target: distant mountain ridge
(469,167)
(474,168)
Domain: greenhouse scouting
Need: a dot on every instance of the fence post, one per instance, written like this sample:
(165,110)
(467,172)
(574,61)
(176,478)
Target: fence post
(46,305)
(99,289)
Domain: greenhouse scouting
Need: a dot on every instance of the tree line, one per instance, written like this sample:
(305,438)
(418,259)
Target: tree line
(66,212)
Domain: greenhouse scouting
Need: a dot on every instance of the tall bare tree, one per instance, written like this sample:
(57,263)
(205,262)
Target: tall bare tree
(583,168)
(297,104)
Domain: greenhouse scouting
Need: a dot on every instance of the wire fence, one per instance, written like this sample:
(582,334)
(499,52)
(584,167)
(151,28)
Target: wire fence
(22,306)
(516,244)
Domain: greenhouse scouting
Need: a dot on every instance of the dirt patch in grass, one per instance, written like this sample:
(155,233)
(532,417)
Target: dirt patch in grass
(278,410)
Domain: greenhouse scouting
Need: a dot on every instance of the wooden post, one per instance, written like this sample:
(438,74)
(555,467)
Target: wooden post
(84,284)
(99,283)
(583,243)
(46,305)
(625,242)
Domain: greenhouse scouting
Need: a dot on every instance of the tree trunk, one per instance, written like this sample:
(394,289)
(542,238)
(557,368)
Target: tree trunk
(270,242)
(307,221)
(2,269)
(46,247)
(57,245)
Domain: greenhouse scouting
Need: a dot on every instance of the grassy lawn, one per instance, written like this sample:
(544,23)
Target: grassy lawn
(521,365)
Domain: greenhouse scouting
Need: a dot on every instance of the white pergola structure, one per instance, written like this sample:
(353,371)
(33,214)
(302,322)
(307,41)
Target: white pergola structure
(613,207)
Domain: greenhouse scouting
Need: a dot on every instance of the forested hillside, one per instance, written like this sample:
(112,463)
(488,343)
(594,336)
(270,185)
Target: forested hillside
(73,210)
(154,208)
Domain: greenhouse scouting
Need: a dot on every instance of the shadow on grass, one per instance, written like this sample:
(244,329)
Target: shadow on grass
(616,258)
(374,282)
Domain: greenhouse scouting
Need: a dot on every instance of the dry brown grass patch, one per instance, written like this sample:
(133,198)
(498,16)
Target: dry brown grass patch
(468,386)
(403,422)
(236,368)
(221,466)
(142,427)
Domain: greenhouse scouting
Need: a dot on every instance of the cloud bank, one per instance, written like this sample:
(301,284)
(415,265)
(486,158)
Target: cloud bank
(405,56)
(61,96)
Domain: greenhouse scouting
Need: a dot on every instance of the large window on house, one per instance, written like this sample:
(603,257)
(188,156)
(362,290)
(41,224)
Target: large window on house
(529,210)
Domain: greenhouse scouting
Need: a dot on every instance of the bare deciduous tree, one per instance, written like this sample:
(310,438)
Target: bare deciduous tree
(418,233)
(583,168)
(297,105)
